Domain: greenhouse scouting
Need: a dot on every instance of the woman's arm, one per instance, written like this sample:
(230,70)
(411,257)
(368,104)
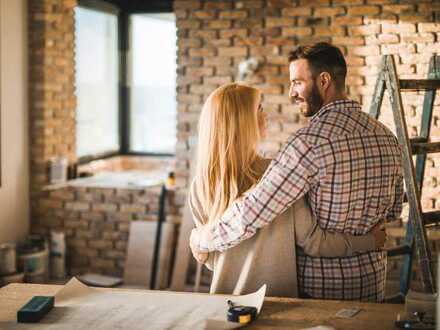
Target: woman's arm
(319,243)
(199,219)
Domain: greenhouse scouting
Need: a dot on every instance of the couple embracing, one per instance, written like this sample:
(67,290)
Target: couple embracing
(307,223)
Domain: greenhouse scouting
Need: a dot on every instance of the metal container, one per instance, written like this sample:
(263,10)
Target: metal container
(8,260)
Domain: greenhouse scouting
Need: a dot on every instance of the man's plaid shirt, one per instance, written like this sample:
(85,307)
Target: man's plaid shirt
(349,167)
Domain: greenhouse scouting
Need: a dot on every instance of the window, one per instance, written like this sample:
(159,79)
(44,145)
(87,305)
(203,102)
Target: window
(126,62)
(152,83)
(96,57)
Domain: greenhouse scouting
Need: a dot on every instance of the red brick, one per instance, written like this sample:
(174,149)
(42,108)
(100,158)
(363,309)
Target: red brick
(205,51)
(189,43)
(428,27)
(232,51)
(400,9)
(333,30)
(296,11)
(222,5)
(219,24)
(415,18)
(275,22)
(314,2)
(252,4)
(398,49)
(354,61)
(204,34)
(105,207)
(204,14)
(354,80)
(363,10)
(364,30)
(349,41)
(347,20)
(243,33)
(233,14)
(217,80)
(202,89)
(381,19)
(188,98)
(216,61)
(348,2)
(187,24)
(431,48)
(278,3)
(398,28)
(364,50)
(328,11)
(296,31)
(199,72)
(388,38)
(186,4)
(419,37)
(77,206)
(181,13)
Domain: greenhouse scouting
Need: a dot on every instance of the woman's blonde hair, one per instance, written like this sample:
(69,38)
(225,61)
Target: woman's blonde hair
(227,147)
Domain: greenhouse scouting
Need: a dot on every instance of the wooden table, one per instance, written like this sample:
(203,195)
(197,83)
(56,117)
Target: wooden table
(277,313)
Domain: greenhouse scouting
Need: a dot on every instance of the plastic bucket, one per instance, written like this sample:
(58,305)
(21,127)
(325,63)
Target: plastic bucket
(35,263)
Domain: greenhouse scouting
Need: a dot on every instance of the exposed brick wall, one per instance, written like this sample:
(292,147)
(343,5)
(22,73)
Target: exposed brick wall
(96,223)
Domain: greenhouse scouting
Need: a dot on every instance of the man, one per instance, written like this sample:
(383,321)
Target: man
(346,163)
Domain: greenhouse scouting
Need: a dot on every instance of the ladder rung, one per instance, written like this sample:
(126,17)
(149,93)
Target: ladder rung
(425,147)
(419,84)
(399,250)
(418,140)
(431,217)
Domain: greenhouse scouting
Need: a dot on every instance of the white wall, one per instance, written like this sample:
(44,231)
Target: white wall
(14,190)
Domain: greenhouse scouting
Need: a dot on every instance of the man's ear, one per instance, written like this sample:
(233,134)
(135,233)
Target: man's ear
(325,80)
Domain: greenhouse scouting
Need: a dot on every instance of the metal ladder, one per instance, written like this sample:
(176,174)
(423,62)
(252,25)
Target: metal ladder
(416,238)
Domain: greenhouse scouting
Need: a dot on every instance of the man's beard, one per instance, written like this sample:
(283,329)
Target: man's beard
(313,102)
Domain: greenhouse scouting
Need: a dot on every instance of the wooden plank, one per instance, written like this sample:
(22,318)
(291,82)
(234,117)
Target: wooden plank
(414,85)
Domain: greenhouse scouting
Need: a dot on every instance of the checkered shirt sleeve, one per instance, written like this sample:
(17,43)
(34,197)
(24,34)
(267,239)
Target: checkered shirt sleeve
(287,179)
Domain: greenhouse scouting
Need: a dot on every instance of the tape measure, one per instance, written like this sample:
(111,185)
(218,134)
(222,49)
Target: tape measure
(241,314)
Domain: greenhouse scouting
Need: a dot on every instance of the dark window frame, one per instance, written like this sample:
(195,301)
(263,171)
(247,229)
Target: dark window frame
(123,9)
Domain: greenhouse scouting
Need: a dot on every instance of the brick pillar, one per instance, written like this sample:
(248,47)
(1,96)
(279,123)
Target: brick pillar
(51,91)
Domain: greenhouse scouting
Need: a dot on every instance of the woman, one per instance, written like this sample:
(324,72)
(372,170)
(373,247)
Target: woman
(231,125)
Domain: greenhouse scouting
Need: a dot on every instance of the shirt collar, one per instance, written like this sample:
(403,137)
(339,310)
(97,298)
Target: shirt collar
(339,104)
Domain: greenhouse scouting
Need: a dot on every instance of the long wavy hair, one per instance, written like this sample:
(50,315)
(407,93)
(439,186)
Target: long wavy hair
(227,147)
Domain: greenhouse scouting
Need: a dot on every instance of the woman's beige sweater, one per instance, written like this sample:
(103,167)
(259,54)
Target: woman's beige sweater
(269,257)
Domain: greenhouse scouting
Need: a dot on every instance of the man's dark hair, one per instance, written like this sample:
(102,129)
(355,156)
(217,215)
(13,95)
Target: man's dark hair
(323,57)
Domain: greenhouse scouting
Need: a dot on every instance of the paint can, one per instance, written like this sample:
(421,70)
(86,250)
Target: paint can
(8,261)
(33,260)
